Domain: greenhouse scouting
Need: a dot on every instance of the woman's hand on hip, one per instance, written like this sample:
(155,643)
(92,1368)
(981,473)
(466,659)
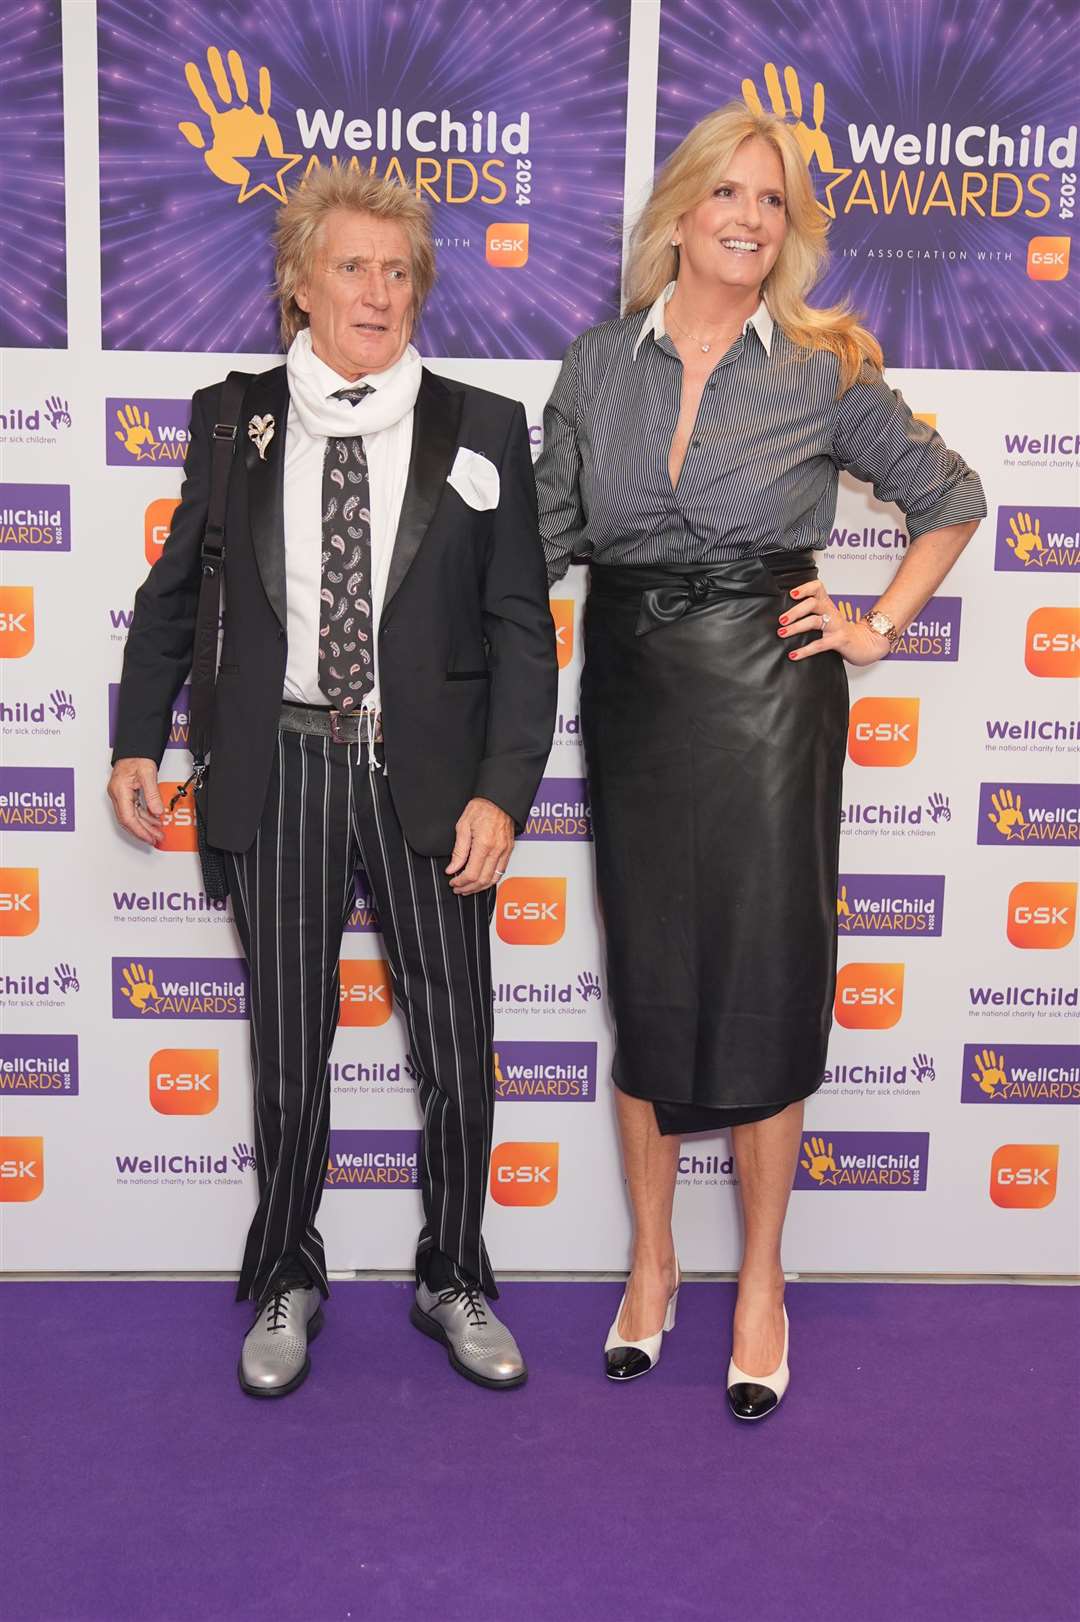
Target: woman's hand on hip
(813,609)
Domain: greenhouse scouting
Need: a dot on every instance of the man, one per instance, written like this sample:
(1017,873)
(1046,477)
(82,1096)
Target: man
(385,698)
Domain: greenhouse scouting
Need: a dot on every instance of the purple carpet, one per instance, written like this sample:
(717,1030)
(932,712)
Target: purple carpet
(924,1465)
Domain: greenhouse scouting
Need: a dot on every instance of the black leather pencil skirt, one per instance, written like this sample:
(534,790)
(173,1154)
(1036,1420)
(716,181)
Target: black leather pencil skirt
(715,767)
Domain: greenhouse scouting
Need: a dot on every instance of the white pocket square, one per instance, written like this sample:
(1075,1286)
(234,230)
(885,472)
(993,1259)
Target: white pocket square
(475,479)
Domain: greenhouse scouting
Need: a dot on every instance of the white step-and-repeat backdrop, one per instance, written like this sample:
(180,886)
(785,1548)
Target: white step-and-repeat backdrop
(145,150)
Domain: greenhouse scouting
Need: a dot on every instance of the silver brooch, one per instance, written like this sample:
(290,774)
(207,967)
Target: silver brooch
(261,430)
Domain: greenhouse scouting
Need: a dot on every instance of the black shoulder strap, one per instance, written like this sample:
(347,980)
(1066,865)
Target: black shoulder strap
(205,651)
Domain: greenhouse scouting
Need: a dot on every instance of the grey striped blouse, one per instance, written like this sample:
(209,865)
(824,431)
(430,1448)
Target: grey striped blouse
(763,462)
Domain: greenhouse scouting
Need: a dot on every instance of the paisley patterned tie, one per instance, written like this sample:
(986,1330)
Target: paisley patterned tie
(345,663)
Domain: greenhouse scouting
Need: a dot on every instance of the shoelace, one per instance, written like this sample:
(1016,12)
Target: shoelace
(276,1309)
(473,1298)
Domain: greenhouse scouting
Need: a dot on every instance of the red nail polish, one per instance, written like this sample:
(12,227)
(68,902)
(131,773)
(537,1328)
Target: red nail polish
(793,654)
(783,619)
(795,593)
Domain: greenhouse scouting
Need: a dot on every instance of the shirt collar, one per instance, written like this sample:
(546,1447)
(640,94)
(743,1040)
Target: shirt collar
(761,321)
(330,381)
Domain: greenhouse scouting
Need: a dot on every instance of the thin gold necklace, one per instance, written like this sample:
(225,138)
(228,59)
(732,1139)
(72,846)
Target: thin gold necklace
(702,345)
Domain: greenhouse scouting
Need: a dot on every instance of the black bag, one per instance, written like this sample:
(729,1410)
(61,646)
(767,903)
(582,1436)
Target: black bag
(205,651)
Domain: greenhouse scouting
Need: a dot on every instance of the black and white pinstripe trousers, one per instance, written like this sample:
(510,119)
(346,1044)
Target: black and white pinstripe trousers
(326,814)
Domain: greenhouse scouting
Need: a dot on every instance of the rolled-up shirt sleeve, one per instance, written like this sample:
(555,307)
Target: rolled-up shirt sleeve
(876,438)
(558,474)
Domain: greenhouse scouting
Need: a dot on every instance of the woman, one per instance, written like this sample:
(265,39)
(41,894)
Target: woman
(691,454)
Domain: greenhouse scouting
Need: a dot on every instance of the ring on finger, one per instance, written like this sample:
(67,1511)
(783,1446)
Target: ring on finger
(825,618)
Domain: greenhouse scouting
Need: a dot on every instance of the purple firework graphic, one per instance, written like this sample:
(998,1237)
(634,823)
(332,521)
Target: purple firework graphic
(510,120)
(943,143)
(33,269)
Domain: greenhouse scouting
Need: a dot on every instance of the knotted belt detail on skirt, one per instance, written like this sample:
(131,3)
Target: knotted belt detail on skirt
(667,594)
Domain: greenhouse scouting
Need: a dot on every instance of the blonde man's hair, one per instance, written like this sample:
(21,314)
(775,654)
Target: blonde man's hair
(689,175)
(300,220)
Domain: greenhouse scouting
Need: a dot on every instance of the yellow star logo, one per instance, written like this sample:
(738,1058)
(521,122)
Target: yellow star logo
(264,171)
(829,204)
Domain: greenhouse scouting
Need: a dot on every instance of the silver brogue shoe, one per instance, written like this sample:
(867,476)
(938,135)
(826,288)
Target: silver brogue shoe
(274,1358)
(478,1345)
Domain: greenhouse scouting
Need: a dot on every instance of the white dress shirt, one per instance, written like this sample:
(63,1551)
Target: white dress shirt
(388,452)
(656,322)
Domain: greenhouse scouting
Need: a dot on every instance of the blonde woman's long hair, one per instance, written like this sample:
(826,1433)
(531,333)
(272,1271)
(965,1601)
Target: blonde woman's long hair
(299,221)
(693,169)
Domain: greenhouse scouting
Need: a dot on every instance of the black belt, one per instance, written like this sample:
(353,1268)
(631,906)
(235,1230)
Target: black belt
(337,725)
(666,593)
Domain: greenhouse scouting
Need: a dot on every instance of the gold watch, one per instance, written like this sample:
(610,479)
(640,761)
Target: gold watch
(884,626)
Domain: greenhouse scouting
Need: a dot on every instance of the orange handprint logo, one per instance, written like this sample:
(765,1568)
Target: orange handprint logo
(989,1072)
(238,132)
(819,1163)
(134,432)
(1025,539)
(813,141)
(1007,815)
(139,987)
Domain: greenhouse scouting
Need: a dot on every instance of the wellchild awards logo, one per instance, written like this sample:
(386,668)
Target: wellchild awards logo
(1034,539)
(890,903)
(202,137)
(893,1161)
(560,810)
(377,1160)
(179,988)
(934,633)
(146,433)
(980,194)
(363,918)
(546,1072)
(39,1066)
(1029,814)
(1020,1073)
(35,519)
(37,799)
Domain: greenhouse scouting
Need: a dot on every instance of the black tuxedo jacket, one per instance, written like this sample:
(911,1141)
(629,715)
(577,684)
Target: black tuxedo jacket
(467,665)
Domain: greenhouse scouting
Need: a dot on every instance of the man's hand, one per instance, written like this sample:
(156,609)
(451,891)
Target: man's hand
(133,790)
(482,846)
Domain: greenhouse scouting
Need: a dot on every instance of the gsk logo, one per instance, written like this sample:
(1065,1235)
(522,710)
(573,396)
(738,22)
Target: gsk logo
(524,1173)
(1024,1175)
(1048,258)
(1052,645)
(178,824)
(366,997)
(1042,915)
(883,731)
(20,900)
(562,612)
(157,521)
(531,912)
(184,1081)
(22,1168)
(16,621)
(869,996)
(508,245)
